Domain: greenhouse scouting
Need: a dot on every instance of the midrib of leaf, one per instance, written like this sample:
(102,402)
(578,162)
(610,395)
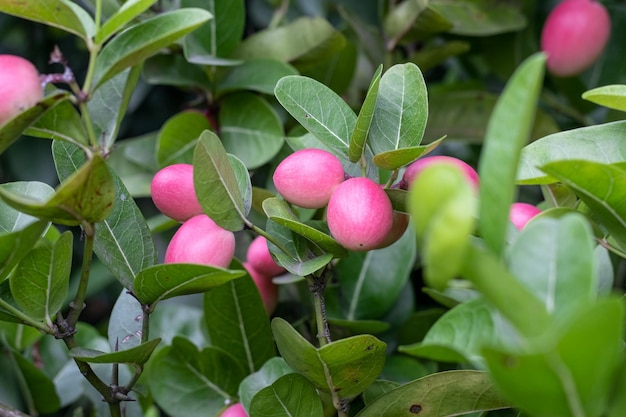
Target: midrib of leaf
(207,381)
(181,151)
(242,329)
(596,200)
(359,286)
(49,287)
(213,25)
(319,122)
(120,249)
(398,132)
(569,386)
(230,194)
(282,404)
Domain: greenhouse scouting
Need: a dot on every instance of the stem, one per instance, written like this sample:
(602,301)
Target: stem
(279,14)
(81,293)
(98,16)
(25,319)
(317,286)
(27,394)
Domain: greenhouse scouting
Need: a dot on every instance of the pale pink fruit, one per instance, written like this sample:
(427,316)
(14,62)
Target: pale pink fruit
(418,166)
(308,177)
(258,256)
(521,213)
(359,214)
(235,410)
(398,227)
(574,35)
(173,192)
(200,241)
(267,289)
(20,87)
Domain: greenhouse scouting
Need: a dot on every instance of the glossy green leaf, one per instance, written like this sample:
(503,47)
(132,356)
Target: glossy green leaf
(250,129)
(278,211)
(260,75)
(291,395)
(568,377)
(40,282)
(217,38)
(216,184)
(86,195)
(62,14)
(304,41)
(507,132)
(443,394)
(137,355)
(174,69)
(11,130)
(127,12)
(14,246)
(39,386)
(482,17)
(611,96)
(271,370)
(401,110)
(600,143)
(141,41)
(61,122)
(179,136)
(12,220)
(238,323)
(347,366)
(364,119)
(372,281)
(187,382)
(123,241)
(134,161)
(319,109)
(160,282)
(554,257)
(398,158)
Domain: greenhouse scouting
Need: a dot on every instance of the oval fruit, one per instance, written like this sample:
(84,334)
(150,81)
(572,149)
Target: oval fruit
(521,213)
(267,289)
(173,192)
(20,87)
(258,256)
(418,166)
(235,410)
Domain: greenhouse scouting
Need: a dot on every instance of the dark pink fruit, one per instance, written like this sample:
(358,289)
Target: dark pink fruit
(418,166)
(20,87)
(359,214)
(521,213)
(235,410)
(574,35)
(173,192)
(200,241)
(267,289)
(258,256)
(398,227)
(307,177)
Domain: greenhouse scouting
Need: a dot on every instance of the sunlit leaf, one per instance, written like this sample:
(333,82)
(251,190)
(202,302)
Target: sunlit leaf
(127,12)
(611,96)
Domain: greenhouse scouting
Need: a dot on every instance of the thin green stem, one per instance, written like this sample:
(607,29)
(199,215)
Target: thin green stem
(42,327)
(279,14)
(317,286)
(98,15)
(81,293)
(91,133)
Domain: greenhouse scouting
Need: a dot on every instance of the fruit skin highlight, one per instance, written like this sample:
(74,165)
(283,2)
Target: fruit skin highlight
(521,213)
(258,256)
(359,214)
(20,87)
(574,35)
(200,241)
(308,177)
(173,192)
(418,166)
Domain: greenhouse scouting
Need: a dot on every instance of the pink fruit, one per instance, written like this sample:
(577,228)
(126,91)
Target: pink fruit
(574,35)
(308,177)
(200,241)
(418,166)
(398,227)
(267,289)
(20,87)
(235,410)
(521,213)
(359,214)
(259,257)
(173,192)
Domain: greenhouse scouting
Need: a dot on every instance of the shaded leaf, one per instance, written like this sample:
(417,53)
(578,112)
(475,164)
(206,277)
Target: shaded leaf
(271,370)
(260,75)
(174,69)
(482,17)
(179,136)
(16,245)
(12,220)
(127,12)
(41,388)
(291,395)
(60,122)
(137,355)
(364,119)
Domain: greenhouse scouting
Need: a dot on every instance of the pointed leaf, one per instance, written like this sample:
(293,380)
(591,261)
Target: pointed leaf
(39,386)
(16,245)
(141,41)
(260,75)
(291,395)
(12,220)
(216,184)
(60,122)
(179,136)
(508,131)
(401,109)
(364,119)
(137,355)
(398,158)
(611,96)
(127,12)
(161,282)
(444,394)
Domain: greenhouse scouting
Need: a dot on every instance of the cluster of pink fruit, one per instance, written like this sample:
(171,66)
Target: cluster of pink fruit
(200,240)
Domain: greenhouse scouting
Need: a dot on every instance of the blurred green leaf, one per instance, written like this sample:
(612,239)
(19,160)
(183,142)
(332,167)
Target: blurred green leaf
(60,122)
(216,184)
(401,17)
(364,119)
(250,129)
(401,110)
(428,23)
(179,136)
(40,388)
(271,370)
(137,355)
(443,394)
(601,143)
(160,282)
(259,75)
(611,96)
(290,395)
(174,69)
(62,14)
(480,17)
(238,323)
(369,36)
(127,12)
(347,366)
(134,161)
(12,129)
(507,132)
(187,382)
(145,39)
(15,245)
(40,281)
(217,38)
(435,54)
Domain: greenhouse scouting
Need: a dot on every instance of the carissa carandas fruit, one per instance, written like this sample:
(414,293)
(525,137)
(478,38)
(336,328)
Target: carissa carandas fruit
(200,241)
(359,214)
(173,192)
(574,35)
(308,177)
(258,256)
(418,166)
(20,87)
(267,289)
(522,213)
